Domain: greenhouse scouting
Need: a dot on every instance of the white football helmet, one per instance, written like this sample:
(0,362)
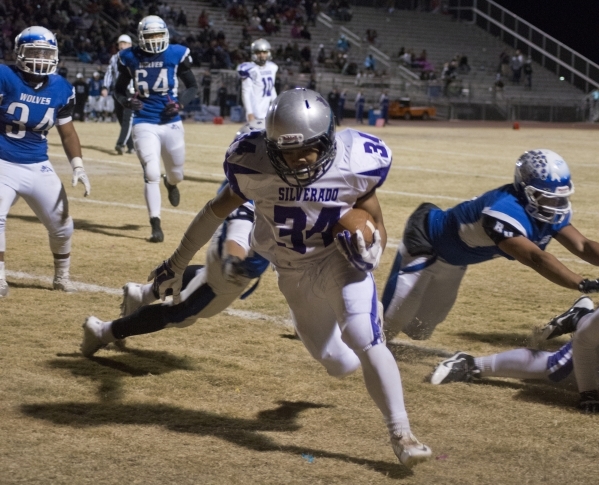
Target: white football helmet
(260,45)
(152,34)
(542,179)
(36,51)
(300,118)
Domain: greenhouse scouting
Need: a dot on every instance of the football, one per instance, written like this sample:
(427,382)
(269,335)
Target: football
(356,219)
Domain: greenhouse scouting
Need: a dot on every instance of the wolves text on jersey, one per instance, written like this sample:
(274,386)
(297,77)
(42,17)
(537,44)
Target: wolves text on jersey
(30,98)
(151,64)
(307,194)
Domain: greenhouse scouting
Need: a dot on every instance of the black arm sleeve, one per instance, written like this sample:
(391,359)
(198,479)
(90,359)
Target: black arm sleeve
(67,110)
(122,84)
(191,84)
(498,230)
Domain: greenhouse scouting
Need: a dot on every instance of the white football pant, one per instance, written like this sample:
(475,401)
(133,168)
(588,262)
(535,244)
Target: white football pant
(421,299)
(40,187)
(152,141)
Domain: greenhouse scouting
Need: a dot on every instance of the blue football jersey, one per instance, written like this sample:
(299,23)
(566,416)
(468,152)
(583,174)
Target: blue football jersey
(468,233)
(155,79)
(27,114)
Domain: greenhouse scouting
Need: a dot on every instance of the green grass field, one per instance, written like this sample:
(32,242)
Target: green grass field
(236,399)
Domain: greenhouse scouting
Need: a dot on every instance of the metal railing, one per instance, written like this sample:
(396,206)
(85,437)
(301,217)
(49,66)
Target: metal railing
(544,49)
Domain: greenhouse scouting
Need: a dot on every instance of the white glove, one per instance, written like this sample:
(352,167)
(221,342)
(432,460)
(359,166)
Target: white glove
(80,175)
(362,258)
(167,278)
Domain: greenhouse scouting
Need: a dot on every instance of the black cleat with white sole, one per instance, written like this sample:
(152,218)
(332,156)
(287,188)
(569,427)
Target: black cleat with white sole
(458,368)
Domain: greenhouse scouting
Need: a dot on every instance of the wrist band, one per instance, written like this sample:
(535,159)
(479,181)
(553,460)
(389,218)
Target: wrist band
(76,162)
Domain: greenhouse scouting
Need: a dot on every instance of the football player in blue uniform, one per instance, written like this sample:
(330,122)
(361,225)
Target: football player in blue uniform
(32,100)
(155,66)
(579,358)
(303,178)
(515,221)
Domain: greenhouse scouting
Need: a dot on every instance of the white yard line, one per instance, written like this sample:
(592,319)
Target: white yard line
(248,315)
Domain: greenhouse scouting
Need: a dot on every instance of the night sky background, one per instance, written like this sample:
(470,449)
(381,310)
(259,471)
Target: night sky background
(572,22)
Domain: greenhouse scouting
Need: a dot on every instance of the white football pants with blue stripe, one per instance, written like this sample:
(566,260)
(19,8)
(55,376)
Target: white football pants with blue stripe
(419,294)
(334,310)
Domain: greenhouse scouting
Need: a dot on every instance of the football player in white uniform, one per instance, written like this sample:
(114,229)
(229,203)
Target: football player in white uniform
(32,100)
(581,355)
(303,178)
(258,81)
(155,68)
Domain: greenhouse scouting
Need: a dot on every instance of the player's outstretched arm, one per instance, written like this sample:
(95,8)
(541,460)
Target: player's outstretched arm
(169,274)
(579,245)
(544,263)
(72,148)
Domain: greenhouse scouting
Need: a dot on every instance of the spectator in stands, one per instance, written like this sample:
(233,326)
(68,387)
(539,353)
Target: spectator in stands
(504,64)
(222,100)
(305,33)
(181,18)
(384,107)
(527,71)
(448,75)
(95,86)
(333,99)
(105,105)
(359,76)
(463,66)
(81,93)
(406,59)
(341,106)
(359,105)
(321,56)
(499,84)
(343,44)
(312,83)
(369,63)
(206,84)
(371,36)
(516,64)
(204,20)
(62,69)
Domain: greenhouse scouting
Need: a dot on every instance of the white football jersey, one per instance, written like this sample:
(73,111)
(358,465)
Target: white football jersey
(257,87)
(294,225)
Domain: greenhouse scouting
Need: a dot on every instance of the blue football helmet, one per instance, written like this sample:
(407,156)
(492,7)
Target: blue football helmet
(36,51)
(300,118)
(152,33)
(542,179)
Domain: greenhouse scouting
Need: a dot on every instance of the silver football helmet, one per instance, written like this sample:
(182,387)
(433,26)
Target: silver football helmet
(542,179)
(152,33)
(254,125)
(260,45)
(300,118)
(36,51)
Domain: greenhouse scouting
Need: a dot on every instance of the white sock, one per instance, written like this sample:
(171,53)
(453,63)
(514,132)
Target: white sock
(61,267)
(107,337)
(383,383)
(517,364)
(147,293)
